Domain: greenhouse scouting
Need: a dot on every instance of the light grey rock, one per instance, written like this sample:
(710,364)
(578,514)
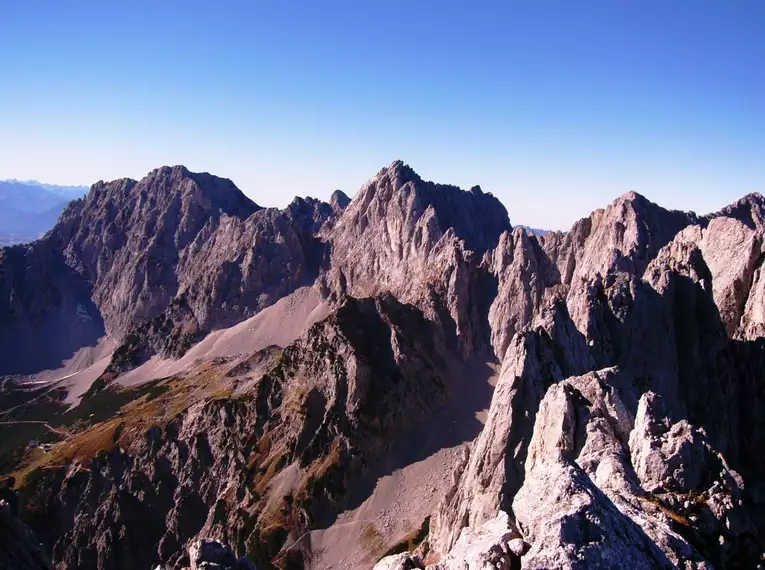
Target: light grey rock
(578,505)
(666,456)
(417,240)
(519,265)
(403,561)
(518,546)
(483,547)
(731,251)
(496,466)
(622,238)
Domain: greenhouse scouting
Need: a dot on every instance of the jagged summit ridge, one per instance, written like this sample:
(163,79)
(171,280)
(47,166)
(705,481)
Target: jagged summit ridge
(418,240)
(209,190)
(192,244)
(475,217)
(749,210)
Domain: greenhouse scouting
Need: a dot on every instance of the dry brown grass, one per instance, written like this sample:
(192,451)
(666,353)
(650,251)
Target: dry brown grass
(133,410)
(664,508)
(321,466)
(269,469)
(372,541)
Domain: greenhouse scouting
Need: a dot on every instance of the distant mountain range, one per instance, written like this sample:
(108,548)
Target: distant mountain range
(533,231)
(29,209)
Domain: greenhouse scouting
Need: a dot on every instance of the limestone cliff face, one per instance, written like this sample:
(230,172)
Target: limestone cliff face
(127,238)
(131,252)
(419,241)
(46,310)
(646,456)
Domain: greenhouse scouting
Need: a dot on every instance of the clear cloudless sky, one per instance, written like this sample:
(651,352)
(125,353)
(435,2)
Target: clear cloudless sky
(556,107)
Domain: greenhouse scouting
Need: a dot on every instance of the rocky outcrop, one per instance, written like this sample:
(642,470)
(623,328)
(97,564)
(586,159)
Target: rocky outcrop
(579,266)
(492,544)
(522,271)
(749,210)
(207,554)
(731,251)
(495,470)
(579,505)
(403,561)
(665,455)
(339,200)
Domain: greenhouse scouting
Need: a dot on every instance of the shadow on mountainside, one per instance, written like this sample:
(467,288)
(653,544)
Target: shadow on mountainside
(49,314)
(453,423)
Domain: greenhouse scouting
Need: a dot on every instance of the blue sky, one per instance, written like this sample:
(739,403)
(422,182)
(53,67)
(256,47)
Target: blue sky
(556,107)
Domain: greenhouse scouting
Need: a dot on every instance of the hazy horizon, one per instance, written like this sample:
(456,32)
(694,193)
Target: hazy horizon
(556,116)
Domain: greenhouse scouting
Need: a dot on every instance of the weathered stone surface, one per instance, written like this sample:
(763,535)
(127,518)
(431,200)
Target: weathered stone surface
(730,251)
(334,402)
(666,456)
(749,210)
(128,238)
(496,467)
(417,240)
(521,269)
(577,505)
(403,561)
(483,547)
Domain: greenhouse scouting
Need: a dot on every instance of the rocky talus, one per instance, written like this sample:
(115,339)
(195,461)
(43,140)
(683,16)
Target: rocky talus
(624,430)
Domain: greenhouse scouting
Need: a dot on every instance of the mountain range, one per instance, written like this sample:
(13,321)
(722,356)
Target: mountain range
(29,209)
(402,380)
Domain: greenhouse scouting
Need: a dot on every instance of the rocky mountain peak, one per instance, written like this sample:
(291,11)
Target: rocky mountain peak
(406,236)
(187,250)
(339,200)
(750,210)
(398,173)
(627,234)
(200,194)
(399,192)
